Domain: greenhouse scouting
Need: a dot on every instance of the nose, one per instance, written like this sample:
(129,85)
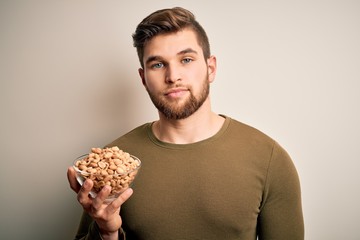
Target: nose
(172,74)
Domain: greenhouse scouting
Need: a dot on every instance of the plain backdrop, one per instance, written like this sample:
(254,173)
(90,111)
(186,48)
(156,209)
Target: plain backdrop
(69,82)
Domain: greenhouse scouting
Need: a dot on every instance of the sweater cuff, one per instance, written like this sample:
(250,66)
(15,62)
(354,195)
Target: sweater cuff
(122,234)
(95,231)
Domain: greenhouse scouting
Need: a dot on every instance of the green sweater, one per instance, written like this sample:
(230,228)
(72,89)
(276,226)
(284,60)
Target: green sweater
(238,184)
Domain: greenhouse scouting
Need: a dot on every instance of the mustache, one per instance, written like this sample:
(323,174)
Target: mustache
(176,87)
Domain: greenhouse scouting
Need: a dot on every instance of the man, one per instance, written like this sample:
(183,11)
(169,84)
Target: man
(203,175)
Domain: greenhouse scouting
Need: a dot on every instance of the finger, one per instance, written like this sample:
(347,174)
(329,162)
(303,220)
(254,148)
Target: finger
(101,197)
(71,175)
(116,204)
(83,194)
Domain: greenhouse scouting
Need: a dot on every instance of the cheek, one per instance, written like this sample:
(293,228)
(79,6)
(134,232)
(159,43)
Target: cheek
(152,82)
(148,78)
(200,74)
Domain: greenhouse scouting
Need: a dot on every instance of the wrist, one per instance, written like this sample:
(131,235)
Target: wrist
(109,235)
(120,235)
(106,235)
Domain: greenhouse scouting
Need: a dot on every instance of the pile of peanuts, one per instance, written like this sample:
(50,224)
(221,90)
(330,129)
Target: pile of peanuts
(108,166)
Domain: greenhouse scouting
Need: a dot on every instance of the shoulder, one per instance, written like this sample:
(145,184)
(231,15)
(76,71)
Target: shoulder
(246,133)
(135,135)
(257,142)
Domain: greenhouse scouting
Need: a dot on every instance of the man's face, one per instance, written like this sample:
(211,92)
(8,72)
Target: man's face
(175,74)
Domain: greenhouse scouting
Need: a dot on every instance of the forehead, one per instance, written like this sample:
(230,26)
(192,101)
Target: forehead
(172,43)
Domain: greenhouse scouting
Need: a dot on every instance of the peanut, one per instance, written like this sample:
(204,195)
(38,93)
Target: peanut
(108,166)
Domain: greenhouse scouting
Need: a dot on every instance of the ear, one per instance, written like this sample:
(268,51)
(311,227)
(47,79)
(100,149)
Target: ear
(142,76)
(211,62)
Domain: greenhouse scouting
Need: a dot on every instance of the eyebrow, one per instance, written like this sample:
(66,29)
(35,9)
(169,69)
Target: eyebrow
(158,58)
(187,50)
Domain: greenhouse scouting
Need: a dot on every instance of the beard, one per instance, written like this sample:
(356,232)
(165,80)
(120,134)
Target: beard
(173,110)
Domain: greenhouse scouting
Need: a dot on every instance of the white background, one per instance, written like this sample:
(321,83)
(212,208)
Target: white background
(69,82)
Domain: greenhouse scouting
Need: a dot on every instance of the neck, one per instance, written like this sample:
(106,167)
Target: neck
(199,126)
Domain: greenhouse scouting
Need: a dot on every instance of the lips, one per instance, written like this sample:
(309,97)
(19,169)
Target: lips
(175,91)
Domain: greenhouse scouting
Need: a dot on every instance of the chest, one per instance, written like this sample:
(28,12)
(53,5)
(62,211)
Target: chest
(221,193)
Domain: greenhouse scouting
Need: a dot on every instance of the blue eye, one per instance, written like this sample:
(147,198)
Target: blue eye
(157,65)
(186,60)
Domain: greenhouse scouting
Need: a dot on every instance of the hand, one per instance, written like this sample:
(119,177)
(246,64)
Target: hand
(106,215)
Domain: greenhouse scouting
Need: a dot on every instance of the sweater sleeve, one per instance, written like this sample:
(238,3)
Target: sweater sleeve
(281,211)
(89,230)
